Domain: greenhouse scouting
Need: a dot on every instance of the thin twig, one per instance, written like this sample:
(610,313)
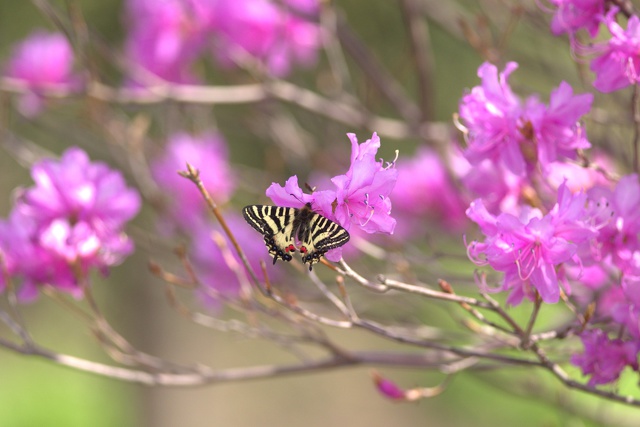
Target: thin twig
(418,31)
(446,287)
(526,337)
(329,295)
(383,80)
(335,55)
(194,176)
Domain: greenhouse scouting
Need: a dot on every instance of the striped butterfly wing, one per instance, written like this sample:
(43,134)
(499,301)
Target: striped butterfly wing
(275,223)
(286,230)
(318,235)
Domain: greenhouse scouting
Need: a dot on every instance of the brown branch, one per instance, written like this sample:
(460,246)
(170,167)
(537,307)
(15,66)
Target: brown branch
(241,94)
(193,175)
(421,53)
(626,7)
(201,375)
(388,284)
(446,287)
(556,370)
(381,78)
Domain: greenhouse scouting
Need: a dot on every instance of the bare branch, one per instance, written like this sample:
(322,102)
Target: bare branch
(421,53)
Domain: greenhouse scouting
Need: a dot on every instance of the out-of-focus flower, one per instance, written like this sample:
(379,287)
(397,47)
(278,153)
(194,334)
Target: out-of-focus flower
(425,190)
(578,177)
(573,15)
(619,212)
(530,247)
(218,266)
(71,221)
(603,358)
(42,61)
(621,303)
(208,154)
(275,33)
(499,188)
(25,259)
(619,64)
(165,37)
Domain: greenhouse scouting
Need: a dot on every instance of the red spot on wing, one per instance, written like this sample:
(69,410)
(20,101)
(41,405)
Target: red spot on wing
(303,249)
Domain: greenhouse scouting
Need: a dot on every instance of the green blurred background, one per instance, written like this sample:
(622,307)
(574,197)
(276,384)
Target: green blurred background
(34,392)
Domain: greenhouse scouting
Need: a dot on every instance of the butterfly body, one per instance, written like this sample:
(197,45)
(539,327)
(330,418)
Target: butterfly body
(286,230)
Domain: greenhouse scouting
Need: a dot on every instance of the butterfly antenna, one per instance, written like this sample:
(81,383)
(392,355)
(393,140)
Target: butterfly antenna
(297,198)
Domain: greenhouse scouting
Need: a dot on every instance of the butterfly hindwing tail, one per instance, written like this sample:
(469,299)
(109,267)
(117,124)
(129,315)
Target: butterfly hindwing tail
(323,235)
(276,225)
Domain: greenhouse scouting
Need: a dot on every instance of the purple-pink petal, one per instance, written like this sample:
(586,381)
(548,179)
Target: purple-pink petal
(291,195)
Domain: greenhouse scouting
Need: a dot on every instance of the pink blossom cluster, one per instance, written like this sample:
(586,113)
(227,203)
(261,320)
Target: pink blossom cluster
(359,199)
(167,37)
(42,61)
(550,226)
(528,248)
(609,272)
(518,149)
(69,223)
(521,135)
(617,59)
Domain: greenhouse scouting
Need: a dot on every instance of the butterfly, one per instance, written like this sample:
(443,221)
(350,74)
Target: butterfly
(286,230)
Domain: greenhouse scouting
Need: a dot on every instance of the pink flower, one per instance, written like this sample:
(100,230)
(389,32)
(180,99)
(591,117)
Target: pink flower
(71,220)
(424,189)
(573,15)
(42,61)
(166,37)
(619,65)
(578,177)
(619,219)
(208,154)
(267,31)
(27,260)
(557,130)
(603,358)
(621,304)
(291,195)
(528,248)
(360,198)
(362,195)
(521,136)
(490,113)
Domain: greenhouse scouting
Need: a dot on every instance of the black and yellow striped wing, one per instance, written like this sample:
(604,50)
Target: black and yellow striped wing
(286,230)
